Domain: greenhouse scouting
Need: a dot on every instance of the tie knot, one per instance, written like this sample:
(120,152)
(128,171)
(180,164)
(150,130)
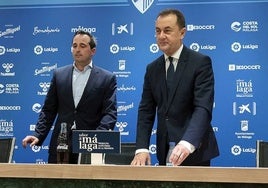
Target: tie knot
(170,59)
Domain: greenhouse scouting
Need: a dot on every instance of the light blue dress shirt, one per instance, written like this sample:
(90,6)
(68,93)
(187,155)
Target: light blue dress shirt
(80,79)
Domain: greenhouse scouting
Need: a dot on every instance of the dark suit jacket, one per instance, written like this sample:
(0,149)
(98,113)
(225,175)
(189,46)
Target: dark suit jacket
(95,110)
(183,115)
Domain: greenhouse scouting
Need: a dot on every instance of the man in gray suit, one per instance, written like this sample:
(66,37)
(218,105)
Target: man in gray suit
(82,95)
(182,102)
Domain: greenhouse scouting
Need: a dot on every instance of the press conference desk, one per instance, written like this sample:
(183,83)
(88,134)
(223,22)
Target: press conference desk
(50,176)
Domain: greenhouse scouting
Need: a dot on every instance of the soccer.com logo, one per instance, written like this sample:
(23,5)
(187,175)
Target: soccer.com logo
(192,27)
(234,67)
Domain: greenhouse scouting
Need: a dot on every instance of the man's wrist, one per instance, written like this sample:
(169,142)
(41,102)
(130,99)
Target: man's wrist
(142,150)
(188,145)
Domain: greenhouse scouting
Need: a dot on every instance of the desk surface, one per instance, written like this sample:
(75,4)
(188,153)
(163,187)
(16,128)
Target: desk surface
(141,173)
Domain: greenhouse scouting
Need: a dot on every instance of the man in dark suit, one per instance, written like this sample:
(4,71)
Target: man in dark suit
(182,104)
(81,95)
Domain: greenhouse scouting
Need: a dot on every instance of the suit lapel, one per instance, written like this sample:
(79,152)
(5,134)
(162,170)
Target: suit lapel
(69,81)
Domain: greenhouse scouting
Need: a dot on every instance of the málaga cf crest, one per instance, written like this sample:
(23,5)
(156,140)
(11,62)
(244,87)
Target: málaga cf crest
(142,5)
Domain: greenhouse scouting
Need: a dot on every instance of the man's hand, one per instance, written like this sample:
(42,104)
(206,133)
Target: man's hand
(179,154)
(32,140)
(141,159)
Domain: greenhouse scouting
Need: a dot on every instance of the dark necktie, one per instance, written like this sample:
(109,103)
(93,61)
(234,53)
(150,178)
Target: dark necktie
(170,73)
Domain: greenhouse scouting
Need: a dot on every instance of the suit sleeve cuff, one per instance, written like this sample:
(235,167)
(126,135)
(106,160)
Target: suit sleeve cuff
(141,150)
(188,145)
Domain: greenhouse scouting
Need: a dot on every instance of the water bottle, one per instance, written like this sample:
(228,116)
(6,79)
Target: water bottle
(171,147)
(63,147)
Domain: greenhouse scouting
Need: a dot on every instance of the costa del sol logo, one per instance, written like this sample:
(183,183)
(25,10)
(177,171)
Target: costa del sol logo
(142,5)
(37,107)
(245,26)
(236,26)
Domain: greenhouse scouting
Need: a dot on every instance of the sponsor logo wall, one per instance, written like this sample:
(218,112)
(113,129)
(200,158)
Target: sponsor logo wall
(35,39)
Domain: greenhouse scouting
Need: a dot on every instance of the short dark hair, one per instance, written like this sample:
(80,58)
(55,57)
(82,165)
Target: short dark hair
(179,15)
(92,43)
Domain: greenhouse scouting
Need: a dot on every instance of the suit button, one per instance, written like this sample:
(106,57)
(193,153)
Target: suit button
(75,111)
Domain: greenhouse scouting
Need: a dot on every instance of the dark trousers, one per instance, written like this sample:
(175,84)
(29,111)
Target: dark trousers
(204,163)
(73,158)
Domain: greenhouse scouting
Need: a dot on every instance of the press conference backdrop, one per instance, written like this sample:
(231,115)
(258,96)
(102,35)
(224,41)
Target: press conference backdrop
(36,36)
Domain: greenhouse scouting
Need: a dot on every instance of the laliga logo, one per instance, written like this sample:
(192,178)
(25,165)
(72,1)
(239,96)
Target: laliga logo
(152,149)
(154,48)
(114,48)
(2,50)
(236,47)
(195,47)
(36,148)
(142,5)
(38,49)
(236,150)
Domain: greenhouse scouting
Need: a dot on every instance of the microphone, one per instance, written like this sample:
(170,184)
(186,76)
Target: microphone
(63,147)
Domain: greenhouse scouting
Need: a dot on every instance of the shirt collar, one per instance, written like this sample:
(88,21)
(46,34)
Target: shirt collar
(89,66)
(176,55)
